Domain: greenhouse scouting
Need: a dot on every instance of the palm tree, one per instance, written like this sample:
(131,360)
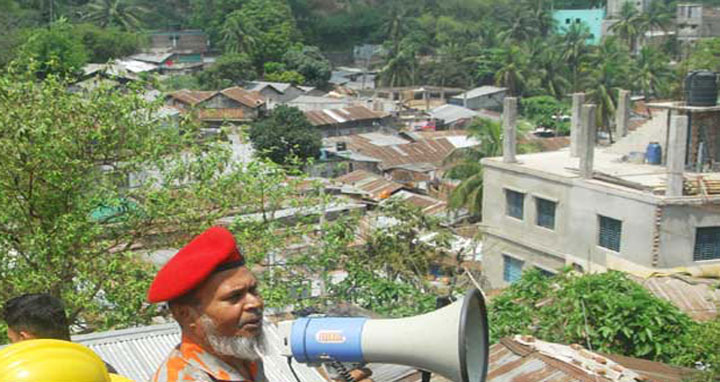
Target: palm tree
(467,167)
(550,68)
(399,70)
(118,13)
(237,36)
(513,64)
(629,27)
(608,70)
(656,17)
(652,73)
(575,50)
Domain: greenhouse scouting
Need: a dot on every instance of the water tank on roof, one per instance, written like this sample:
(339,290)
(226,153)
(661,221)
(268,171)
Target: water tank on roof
(341,146)
(653,153)
(701,88)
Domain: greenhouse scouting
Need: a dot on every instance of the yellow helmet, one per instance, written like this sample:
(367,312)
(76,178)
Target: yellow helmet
(119,378)
(51,361)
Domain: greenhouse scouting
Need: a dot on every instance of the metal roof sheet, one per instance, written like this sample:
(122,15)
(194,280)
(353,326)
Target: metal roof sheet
(342,115)
(452,113)
(699,298)
(247,98)
(480,92)
(373,184)
(192,97)
(137,353)
(522,359)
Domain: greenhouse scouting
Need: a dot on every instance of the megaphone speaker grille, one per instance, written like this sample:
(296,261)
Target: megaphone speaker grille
(474,339)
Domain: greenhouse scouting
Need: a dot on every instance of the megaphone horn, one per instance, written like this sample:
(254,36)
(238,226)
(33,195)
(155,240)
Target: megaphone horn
(452,341)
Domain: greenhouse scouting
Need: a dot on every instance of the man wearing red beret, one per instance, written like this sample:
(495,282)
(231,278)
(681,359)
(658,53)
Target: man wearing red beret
(214,298)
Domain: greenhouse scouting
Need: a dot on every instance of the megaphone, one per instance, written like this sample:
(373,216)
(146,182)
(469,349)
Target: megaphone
(451,341)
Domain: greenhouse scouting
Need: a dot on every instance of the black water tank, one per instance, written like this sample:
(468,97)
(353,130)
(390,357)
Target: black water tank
(701,88)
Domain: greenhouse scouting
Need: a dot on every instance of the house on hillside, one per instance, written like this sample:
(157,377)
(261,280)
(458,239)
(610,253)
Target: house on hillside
(347,120)
(279,92)
(233,105)
(484,97)
(590,18)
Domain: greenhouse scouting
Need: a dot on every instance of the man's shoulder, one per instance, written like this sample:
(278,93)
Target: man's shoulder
(176,368)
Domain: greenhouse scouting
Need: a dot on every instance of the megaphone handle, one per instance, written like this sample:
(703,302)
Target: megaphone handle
(343,370)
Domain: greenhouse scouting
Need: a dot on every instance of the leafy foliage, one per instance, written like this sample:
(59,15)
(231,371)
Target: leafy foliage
(56,50)
(606,312)
(230,69)
(285,134)
(309,62)
(545,111)
(104,44)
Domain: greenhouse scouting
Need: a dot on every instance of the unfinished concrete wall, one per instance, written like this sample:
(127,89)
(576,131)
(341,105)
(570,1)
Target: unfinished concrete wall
(678,230)
(576,233)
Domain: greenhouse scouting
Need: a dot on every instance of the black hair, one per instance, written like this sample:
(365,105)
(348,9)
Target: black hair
(39,314)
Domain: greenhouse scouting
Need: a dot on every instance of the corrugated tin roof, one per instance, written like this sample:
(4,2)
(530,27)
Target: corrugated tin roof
(137,353)
(452,113)
(425,151)
(480,92)
(280,87)
(375,185)
(247,98)
(343,115)
(155,58)
(699,298)
(522,359)
(192,97)
(427,204)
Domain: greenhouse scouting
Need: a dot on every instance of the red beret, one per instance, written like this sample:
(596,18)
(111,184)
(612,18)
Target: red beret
(211,250)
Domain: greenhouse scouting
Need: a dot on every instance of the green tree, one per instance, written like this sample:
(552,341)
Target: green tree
(87,178)
(228,70)
(653,74)
(705,55)
(606,312)
(545,111)
(105,44)
(118,13)
(513,67)
(468,169)
(54,50)
(271,25)
(310,63)
(285,134)
(608,69)
(629,26)
(575,51)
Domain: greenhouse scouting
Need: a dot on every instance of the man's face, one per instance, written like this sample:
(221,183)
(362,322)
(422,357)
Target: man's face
(230,299)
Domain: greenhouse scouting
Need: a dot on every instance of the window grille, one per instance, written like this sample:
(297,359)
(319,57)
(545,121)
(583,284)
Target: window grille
(545,213)
(610,233)
(515,204)
(512,269)
(707,244)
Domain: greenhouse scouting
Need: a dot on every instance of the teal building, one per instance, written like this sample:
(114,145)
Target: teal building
(593,18)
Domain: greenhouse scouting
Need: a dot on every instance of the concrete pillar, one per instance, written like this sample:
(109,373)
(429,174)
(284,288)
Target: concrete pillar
(588,134)
(509,123)
(578,99)
(622,114)
(676,155)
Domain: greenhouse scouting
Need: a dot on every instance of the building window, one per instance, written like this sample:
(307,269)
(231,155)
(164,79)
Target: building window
(545,213)
(707,244)
(610,233)
(515,202)
(512,269)
(545,272)
(577,21)
(567,21)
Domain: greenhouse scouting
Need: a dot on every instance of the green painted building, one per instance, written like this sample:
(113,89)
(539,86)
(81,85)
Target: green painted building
(593,18)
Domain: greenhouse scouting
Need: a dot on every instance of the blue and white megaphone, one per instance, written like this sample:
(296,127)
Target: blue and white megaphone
(452,341)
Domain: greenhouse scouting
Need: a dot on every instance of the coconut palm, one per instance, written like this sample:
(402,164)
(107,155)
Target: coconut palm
(652,74)
(657,17)
(575,50)
(118,13)
(467,167)
(513,65)
(550,70)
(629,27)
(237,36)
(608,70)
(399,70)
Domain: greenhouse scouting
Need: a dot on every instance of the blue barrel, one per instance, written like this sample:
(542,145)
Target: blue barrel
(653,154)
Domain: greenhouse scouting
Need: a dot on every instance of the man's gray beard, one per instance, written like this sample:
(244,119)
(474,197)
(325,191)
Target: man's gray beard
(247,348)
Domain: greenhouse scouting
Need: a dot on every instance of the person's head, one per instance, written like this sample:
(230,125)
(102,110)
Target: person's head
(213,296)
(32,316)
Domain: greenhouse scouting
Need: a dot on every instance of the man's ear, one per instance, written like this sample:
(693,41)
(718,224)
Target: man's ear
(183,313)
